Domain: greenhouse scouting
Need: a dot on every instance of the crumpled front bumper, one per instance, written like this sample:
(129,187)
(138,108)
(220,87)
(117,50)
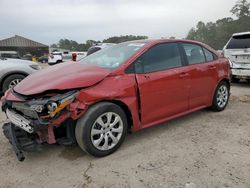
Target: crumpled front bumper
(20,140)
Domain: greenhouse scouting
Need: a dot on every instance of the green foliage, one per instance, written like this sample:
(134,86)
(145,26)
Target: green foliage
(241,9)
(74,46)
(217,34)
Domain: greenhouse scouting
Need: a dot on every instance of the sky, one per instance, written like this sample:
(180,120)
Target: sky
(48,21)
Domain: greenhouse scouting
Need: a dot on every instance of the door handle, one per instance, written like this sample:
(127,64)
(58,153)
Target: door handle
(183,75)
(212,67)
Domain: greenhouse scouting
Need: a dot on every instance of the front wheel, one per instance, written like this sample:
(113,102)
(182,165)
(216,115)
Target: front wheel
(102,129)
(221,96)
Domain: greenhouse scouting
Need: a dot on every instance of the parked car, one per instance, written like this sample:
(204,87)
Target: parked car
(129,86)
(9,54)
(27,57)
(43,59)
(98,47)
(59,57)
(237,50)
(12,71)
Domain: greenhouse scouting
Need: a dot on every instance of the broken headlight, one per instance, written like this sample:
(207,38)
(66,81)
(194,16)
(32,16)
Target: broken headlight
(55,104)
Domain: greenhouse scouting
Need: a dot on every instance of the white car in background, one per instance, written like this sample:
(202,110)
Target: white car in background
(59,57)
(12,71)
(237,50)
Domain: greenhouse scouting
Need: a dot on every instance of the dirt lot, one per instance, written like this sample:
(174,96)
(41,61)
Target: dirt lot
(206,148)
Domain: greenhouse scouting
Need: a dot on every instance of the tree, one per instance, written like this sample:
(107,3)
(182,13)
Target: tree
(74,46)
(53,46)
(218,33)
(241,9)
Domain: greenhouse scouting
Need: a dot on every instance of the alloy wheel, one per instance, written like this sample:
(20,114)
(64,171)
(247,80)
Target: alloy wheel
(222,96)
(106,131)
(14,82)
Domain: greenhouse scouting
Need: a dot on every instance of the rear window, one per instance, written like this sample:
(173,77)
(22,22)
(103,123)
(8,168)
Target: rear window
(238,42)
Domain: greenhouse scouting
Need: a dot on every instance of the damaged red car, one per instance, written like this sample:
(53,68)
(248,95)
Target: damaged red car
(127,87)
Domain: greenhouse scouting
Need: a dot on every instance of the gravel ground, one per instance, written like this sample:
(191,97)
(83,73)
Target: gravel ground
(206,148)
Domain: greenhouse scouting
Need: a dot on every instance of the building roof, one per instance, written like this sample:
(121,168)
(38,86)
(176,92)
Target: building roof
(18,41)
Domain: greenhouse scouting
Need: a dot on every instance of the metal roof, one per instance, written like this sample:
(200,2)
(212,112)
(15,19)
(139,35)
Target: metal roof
(18,41)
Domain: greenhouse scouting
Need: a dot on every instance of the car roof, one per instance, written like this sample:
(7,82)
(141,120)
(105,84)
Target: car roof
(156,41)
(242,33)
(165,40)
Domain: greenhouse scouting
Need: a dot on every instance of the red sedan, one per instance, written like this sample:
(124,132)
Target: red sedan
(130,86)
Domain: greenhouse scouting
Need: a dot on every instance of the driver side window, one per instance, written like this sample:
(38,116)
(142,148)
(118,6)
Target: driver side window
(160,57)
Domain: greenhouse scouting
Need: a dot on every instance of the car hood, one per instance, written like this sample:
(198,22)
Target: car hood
(70,75)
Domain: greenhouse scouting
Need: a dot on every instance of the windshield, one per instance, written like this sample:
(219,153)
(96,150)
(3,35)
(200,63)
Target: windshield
(113,57)
(239,42)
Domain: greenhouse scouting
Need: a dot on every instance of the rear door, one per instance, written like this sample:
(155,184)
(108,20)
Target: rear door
(163,83)
(203,74)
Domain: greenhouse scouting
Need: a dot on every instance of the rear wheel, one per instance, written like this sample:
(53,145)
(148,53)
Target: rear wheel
(102,129)
(11,81)
(221,96)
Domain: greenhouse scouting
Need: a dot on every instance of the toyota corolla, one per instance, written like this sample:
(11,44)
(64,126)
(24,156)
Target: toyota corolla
(127,87)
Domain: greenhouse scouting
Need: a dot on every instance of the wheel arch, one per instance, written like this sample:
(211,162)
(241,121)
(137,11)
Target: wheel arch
(225,80)
(222,80)
(4,77)
(123,106)
(214,89)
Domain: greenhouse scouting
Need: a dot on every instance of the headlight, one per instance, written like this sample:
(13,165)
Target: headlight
(36,67)
(59,102)
(54,104)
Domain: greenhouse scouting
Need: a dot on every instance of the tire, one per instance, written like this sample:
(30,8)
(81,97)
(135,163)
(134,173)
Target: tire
(221,97)
(92,131)
(10,80)
(235,80)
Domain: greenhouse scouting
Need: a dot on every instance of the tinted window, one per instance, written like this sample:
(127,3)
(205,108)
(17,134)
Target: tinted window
(194,53)
(160,57)
(237,42)
(208,54)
